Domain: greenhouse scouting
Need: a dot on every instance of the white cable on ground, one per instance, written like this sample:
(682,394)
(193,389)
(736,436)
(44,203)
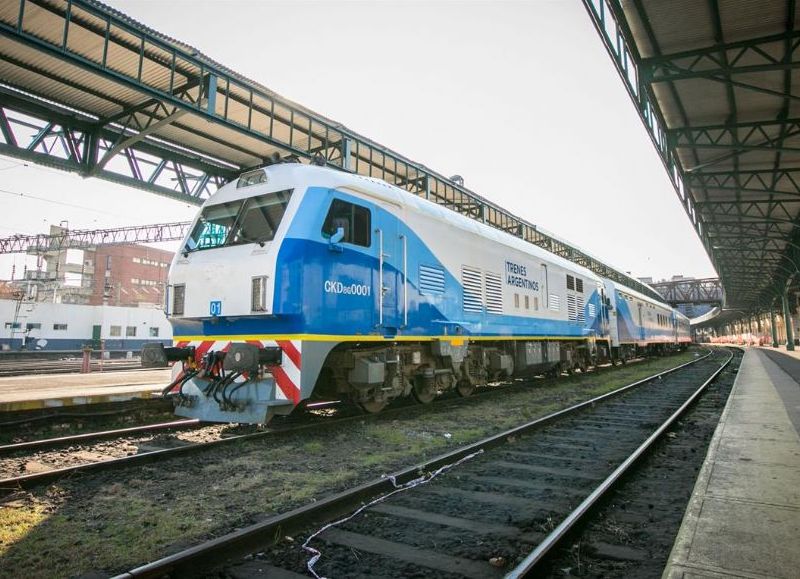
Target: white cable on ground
(424,479)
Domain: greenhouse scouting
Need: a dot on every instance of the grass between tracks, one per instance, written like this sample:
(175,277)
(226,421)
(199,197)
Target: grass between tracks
(109,522)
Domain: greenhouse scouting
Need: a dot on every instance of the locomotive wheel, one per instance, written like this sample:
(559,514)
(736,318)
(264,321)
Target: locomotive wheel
(424,391)
(465,387)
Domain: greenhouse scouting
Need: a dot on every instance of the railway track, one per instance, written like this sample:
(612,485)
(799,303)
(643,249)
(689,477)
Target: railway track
(491,508)
(632,533)
(94,436)
(24,367)
(83,458)
(80,413)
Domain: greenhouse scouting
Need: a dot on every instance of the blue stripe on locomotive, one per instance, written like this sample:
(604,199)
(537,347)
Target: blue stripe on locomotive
(305,262)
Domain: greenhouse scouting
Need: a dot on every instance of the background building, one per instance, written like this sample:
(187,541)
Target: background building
(116,275)
(107,296)
(33,325)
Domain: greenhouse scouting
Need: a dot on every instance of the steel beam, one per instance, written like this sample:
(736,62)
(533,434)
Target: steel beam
(81,239)
(62,140)
(686,291)
(127,142)
(698,177)
(606,16)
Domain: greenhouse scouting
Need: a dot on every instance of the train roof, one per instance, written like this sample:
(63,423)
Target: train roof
(285,176)
(641,296)
(281,176)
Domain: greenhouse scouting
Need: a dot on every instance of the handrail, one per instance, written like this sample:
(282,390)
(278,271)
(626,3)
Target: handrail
(405,279)
(379,231)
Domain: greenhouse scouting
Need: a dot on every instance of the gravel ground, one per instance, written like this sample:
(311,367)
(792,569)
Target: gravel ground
(108,522)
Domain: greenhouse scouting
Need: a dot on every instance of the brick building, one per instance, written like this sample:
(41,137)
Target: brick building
(129,275)
(115,275)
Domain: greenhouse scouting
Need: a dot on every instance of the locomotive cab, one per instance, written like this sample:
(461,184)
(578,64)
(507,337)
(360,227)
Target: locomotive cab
(233,242)
(276,266)
(220,295)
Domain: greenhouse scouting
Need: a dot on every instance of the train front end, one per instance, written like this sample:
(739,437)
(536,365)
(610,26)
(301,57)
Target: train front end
(234,358)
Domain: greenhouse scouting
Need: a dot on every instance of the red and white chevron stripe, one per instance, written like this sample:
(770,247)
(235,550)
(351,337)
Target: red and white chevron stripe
(287,375)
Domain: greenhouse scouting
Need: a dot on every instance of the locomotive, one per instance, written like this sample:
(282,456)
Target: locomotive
(299,283)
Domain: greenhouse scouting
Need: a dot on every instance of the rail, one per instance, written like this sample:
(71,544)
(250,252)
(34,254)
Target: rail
(529,564)
(217,551)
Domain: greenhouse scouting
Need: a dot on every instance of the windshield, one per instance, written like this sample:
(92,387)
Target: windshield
(253,220)
(260,217)
(214,225)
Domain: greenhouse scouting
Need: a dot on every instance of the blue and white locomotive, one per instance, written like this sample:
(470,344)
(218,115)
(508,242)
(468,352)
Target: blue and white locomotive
(299,282)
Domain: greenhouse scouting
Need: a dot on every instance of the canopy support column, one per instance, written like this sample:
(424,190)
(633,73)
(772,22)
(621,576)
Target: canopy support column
(787,318)
(774,324)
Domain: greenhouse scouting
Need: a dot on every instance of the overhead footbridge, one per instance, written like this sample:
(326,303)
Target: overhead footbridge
(707,291)
(86,89)
(716,86)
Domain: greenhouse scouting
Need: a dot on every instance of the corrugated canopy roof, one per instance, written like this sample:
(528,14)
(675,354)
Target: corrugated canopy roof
(87,89)
(716,84)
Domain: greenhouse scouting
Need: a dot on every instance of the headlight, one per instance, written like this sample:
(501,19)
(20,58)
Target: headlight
(178,299)
(258,294)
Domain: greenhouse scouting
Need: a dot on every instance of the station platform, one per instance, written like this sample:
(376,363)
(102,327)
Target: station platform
(743,519)
(48,391)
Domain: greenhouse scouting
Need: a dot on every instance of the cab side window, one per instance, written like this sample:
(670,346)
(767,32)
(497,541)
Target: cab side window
(353,219)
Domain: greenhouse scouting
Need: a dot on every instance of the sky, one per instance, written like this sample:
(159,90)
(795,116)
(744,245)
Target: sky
(519,98)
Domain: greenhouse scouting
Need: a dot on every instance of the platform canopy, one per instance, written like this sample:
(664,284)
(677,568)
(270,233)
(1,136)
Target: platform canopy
(716,84)
(87,89)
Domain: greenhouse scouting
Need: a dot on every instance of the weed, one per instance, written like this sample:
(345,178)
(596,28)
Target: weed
(313,446)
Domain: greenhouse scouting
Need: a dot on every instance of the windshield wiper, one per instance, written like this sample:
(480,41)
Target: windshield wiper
(243,238)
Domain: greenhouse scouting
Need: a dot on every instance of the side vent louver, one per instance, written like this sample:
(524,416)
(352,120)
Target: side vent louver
(494,293)
(572,309)
(473,289)
(581,312)
(431,280)
(554,302)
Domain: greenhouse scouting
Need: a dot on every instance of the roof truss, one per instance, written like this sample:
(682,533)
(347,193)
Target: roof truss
(725,119)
